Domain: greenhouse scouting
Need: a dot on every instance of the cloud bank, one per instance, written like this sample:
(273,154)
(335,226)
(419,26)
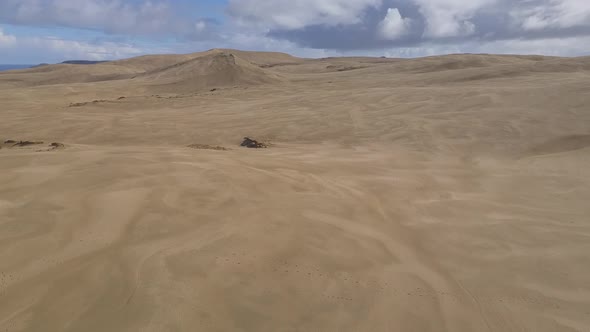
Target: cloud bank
(369,24)
(303,27)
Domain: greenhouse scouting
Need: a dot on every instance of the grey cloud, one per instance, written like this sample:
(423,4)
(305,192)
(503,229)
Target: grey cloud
(296,14)
(153,18)
(432,22)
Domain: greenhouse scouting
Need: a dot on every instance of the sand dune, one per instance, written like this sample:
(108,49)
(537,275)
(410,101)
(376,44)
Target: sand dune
(436,194)
(206,72)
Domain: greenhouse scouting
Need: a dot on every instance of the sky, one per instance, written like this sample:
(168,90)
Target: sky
(50,31)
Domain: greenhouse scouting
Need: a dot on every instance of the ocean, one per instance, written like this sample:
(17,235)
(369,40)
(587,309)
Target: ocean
(10,67)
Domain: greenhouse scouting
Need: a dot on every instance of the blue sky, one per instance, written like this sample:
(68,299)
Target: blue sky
(36,31)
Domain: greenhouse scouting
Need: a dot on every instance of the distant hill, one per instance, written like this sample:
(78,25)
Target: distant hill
(82,62)
(68,62)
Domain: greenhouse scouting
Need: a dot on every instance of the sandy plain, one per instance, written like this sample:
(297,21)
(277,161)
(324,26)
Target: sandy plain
(445,193)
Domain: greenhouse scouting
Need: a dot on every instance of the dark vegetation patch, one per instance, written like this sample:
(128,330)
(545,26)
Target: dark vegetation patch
(207,147)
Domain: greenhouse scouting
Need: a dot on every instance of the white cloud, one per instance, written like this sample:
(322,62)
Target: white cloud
(200,26)
(450,18)
(53,49)
(553,14)
(573,46)
(393,25)
(6,40)
(252,41)
(297,14)
(71,49)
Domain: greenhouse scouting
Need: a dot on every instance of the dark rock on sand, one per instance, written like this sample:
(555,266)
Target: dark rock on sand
(253,144)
